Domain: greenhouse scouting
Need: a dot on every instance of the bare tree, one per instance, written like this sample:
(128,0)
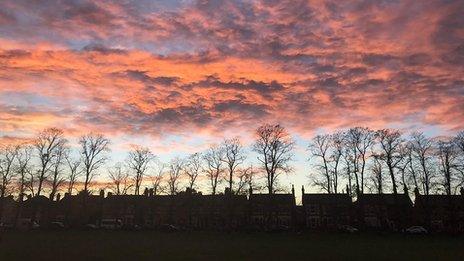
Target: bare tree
(391,144)
(157,178)
(422,151)
(57,178)
(360,141)
(447,154)
(93,155)
(74,172)
(459,141)
(46,144)
(214,166)
(193,167)
(8,156)
(377,175)
(120,180)
(320,151)
(338,146)
(233,157)
(410,164)
(175,171)
(139,160)
(348,170)
(245,179)
(404,165)
(274,147)
(24,168)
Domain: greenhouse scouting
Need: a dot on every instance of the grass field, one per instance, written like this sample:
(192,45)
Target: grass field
(143,245)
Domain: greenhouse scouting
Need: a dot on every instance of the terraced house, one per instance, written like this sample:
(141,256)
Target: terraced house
(228,212)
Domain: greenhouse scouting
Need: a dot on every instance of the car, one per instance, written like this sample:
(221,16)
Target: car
(90,227)
(57,225)
(131,227)
(348,229)
(111,224)
(35,225)
(416,230)
(169,228)
(6,226)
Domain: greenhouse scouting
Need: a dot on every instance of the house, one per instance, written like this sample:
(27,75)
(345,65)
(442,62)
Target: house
(272,211)
(216,212)
(383,211)
(188,209)
(38,209)
(8,208)
(326,211)
(440,213)
(79,210)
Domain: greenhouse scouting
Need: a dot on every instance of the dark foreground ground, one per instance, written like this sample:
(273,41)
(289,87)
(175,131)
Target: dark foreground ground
(144,245)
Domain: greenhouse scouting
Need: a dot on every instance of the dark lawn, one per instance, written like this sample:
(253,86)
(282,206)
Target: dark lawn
(122,245)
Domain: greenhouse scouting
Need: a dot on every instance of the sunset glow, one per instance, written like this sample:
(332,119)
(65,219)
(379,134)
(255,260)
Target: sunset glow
(178,76)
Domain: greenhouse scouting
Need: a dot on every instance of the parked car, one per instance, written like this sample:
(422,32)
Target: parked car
(27,224)
(5,226)
(90,227)
(131,227)
(416,230)
(111,224)
(348,229)
(169,228)
(57,225)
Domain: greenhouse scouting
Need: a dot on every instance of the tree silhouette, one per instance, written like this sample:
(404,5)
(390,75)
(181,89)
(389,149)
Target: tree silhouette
(8,156)
(192,168)
(214,166)
(93,155)
(233,157)
(391,154)
(422,151)
(24,168)
(139,160)
(274,147)
(175,171)
(359,141)
(120,179)
(46,144)
(74,172)
(57,178)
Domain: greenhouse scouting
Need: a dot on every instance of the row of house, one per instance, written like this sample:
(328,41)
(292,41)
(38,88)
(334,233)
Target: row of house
(227,211)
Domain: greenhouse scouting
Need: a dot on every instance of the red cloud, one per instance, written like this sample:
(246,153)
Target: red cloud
(208,68)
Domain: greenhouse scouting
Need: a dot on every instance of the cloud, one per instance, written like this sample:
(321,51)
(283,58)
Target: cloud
(170,68)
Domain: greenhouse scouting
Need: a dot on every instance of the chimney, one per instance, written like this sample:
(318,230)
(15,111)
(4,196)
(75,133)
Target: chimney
(293,190)
(58,197)
(302,190)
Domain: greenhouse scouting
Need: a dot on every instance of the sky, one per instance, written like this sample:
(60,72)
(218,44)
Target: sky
(178,76)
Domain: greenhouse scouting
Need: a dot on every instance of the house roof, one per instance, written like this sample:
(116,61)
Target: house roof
(439,200)
(385,199)
(326,198)
(272,200)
